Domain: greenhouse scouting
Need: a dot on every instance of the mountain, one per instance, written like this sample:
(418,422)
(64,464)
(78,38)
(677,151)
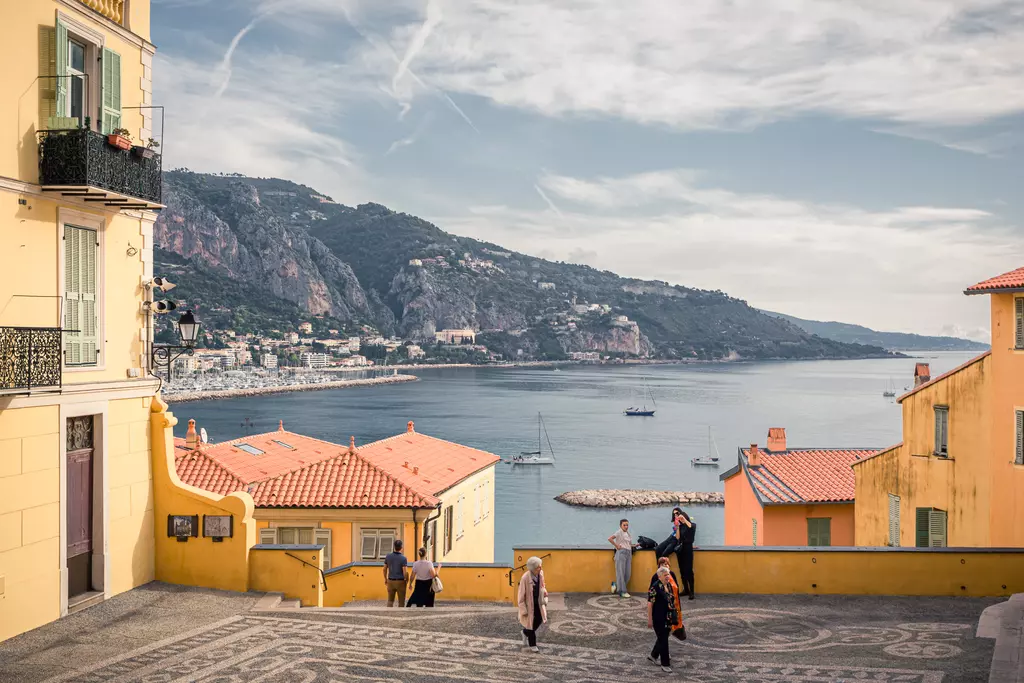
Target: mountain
(257,254)
(897,341)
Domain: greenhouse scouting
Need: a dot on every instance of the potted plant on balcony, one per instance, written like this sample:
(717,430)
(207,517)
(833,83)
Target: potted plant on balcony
(120,138)
(147,152)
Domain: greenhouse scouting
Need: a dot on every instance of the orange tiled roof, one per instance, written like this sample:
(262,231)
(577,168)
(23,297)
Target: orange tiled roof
(295,471)
(1011,281)
(805,475)
(944,375)
(426,464)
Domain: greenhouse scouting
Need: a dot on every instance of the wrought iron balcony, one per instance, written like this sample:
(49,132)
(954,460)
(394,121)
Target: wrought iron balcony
(30,359)
(80,164)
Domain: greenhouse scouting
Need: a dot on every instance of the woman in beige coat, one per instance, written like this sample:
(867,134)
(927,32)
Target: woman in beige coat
(533,596)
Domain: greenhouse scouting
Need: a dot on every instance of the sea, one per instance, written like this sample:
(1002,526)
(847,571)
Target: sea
(700,408)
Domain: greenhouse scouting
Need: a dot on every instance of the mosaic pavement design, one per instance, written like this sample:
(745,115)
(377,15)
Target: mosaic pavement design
(269,649)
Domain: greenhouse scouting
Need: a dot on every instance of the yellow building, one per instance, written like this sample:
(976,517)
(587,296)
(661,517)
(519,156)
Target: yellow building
(76,503)
(355,501)
(957,478)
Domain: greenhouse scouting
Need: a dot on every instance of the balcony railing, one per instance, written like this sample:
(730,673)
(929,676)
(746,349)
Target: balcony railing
(80,163)
(30,359)
(111,9)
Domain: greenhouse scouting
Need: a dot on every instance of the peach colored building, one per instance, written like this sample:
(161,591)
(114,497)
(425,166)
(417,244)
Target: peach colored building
(781,496)
(957,477)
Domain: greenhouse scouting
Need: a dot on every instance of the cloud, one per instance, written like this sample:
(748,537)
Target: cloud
(225,64)
(818,261)
(713,64)
(547,200)
(433,18)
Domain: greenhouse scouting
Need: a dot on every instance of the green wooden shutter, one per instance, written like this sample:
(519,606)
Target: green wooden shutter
(61,84)
(111,91)
(937,529)
(47,74)
(1018,305)
(81,285)
(1019,454)
(921,535)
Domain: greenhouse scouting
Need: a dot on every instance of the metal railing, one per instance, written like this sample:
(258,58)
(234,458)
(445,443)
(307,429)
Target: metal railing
(30,358)
(83,158)
(522,566)
(323,577)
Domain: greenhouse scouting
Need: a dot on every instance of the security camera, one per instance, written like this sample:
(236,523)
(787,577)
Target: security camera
(164,284)
(162,306)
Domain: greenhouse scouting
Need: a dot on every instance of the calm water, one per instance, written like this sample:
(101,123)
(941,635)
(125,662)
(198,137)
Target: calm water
(821,403)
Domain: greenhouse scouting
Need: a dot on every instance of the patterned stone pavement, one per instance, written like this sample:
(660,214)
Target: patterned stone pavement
(595,639)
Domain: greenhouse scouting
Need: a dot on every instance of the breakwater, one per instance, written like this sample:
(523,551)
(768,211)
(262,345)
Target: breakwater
(634,498)
(185,396)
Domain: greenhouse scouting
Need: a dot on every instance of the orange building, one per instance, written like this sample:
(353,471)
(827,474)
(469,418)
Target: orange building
(355,501)
(957,478)
(778,496)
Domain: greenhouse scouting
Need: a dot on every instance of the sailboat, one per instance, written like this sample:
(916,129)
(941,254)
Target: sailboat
(709,460)
(633,411)
(537,457)
(890,390)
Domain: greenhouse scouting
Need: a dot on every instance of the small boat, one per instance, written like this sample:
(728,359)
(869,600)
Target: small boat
(708,460)
(890,390)
(633,411)
(536,457)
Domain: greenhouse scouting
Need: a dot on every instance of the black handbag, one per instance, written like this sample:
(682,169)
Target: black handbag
(645,543)
(680,633)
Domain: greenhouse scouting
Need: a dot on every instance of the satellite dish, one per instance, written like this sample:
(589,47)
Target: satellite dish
(202,435)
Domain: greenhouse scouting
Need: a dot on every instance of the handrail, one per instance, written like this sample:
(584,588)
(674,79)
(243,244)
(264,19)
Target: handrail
(323,578)
(523,566)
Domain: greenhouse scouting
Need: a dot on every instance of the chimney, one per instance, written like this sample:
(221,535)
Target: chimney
(280,425)
(415,470)
(351,444)
(776,439)
(753,456)
(921,374)
(406,464)
(191,437)
(410,427)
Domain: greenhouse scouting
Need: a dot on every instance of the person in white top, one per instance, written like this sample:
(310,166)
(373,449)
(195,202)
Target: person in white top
(423,573)
(624,546)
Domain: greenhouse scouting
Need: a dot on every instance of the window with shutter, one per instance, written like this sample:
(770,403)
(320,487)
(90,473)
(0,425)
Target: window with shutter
(368,545)
(819,531)
(922,516)
(111,91)
(937,529)
(47,77)
(753,534)
(387,542)
(268,536)
(1018,456)
(894,521)
(460,521)
(448,524)
(81,285)
(1018,305)
(941,431)
(61,69)
(323,537)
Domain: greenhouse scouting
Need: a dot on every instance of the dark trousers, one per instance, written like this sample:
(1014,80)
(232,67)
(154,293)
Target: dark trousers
(666,547)
(531,633)
(684,555)
(661,630)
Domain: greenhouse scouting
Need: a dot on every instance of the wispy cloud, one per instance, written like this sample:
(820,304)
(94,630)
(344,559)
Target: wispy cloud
(547,200)
(225,64)
(419,38)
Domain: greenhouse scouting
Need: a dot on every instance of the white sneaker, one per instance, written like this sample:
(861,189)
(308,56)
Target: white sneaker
(526,641)
(652,659)
(535,649)
(625,595)
(667,669)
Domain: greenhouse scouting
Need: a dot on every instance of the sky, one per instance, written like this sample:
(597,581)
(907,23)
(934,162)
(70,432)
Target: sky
(852,160)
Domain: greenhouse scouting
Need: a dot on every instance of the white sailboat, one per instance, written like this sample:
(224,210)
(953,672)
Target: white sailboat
(708,460)
(536,457)
(890,390)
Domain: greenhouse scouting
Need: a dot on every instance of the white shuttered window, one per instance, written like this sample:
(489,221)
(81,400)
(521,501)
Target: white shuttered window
(894,521)
(81,289)
(1018,455)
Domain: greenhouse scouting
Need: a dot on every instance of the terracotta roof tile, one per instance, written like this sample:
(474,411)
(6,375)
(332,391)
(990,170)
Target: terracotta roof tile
(805,475)
(424,463)
(292,470)
(1005,282)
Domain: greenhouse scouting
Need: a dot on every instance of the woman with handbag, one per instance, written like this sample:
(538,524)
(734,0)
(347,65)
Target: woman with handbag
(662,616)
(425,576)
(532,601)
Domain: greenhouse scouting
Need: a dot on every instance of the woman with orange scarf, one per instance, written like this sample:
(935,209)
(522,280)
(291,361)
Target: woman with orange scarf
(662,615)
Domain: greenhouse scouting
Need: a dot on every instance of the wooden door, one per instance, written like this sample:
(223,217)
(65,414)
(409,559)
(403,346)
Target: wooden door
(79,504)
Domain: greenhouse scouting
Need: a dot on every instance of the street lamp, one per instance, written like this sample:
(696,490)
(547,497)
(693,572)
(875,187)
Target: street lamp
(188,331)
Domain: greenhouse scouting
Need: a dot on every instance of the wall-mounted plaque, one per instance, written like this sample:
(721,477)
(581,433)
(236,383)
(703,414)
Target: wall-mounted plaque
(217,527)
(183,526)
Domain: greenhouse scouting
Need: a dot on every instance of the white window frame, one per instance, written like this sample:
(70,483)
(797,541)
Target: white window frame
(894,521)
(460,520)
(377,532)
(272,535)
(79,219)
(937,411)
(94,42)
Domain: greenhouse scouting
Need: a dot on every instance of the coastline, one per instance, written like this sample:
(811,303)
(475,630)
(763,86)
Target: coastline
(187,396)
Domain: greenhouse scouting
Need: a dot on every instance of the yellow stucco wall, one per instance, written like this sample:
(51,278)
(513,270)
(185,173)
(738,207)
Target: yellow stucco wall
(20,83)
(278,570)
(474,583)
(477,542)
(768,571)
(1007,496)
(960,484)
(130,493)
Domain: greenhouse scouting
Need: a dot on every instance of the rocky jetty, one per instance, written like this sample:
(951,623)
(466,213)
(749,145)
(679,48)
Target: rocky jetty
(634,498)
(183,396)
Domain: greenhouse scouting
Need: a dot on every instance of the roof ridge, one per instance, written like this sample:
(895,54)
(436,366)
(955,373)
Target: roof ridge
(432,438)
(945,375)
